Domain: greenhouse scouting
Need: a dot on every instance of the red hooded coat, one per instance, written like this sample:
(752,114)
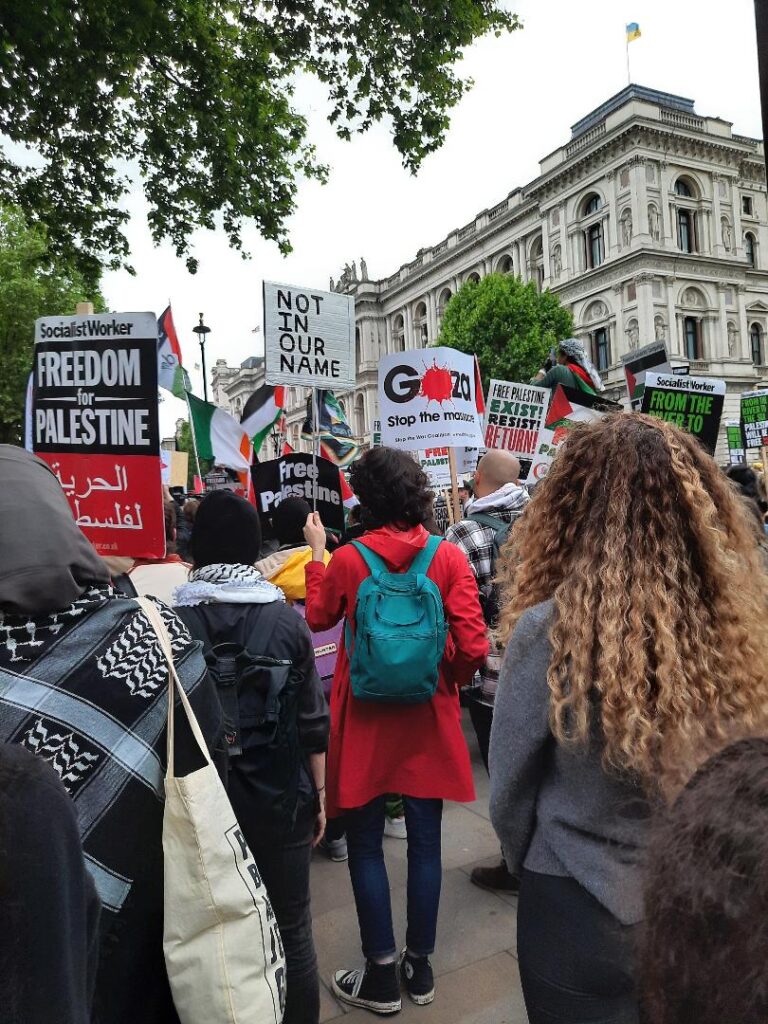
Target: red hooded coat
(415,749)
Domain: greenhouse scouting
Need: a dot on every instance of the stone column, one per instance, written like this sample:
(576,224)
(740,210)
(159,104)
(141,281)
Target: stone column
(612,235)
(705,242)
(432,316)
(738,241)
(545,252)
(565,242)
(640,220)
(722,325)
(674,346)
(744,352)
(388,343)
(410,341)
(667,229)
(718,248)
(637,171)
(645,308)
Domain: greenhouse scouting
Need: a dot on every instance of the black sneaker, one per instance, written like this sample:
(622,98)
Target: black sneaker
(417,977)
(496,879)
(375,988)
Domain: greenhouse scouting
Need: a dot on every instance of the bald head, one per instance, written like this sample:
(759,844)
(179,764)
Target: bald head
(495,469)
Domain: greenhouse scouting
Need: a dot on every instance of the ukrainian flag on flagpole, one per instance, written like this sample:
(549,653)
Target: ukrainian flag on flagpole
(633,31)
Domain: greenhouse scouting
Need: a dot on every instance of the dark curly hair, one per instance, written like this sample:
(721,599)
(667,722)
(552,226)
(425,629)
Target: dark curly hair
(706,933)
(392,488)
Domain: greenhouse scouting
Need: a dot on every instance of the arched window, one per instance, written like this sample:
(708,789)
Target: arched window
(360,416)
(504,266)
(442,302)
(749,248)
(684,188)
(593,241)
(756,344)
(398,333)
(420,325)
(592,204)
(536,261)
(358,346)
(474,276)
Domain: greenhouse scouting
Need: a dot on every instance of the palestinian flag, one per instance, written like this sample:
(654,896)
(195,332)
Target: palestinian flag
(219,436)
(262,411)
(170,373)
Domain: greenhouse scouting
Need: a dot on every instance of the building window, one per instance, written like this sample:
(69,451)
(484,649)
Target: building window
(592,205)
(749,248)
(682,188)
(601,349)
(398,334)
(420,327)
(594,246)
(692,335)
(631,292)
(687,235)
(756,344)
(746,206)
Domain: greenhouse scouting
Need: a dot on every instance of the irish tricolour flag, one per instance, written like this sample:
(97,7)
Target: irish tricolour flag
(219,436)
(262,411)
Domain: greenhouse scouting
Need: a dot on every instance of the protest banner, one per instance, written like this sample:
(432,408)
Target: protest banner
(217,480)
(436,464)
(693,403)
(429,398)
(309,337)
(736,451)
(95,422)
(300,476)
(514,417)
(652,358)
(567,408)
(754,418)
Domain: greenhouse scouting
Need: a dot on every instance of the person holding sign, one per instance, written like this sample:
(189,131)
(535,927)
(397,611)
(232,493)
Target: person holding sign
(397,730)
(635,620)
(572,367)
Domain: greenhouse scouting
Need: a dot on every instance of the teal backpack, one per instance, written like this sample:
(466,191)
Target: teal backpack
(400,631)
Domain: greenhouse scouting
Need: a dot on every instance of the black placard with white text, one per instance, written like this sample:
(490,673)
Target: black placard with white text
(296,476)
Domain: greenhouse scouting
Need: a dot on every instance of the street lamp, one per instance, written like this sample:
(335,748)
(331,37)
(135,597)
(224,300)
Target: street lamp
(201,330)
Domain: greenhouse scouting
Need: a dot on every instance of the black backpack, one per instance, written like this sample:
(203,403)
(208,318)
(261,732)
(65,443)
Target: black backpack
(259,700)
(501,530)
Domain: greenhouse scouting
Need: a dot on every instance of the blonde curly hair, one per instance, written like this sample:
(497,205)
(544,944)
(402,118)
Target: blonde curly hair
(660,598)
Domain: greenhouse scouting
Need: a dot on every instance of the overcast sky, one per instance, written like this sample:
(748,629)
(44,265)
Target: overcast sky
(530,87)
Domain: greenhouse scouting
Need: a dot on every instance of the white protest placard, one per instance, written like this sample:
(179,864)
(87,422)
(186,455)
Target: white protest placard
(436,464)
(309,337)
(514,416)
(428,399)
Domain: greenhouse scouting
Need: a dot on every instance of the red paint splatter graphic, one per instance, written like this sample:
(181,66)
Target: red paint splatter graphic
(436,384)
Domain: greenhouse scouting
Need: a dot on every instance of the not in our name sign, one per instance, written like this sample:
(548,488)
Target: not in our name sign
(309,337)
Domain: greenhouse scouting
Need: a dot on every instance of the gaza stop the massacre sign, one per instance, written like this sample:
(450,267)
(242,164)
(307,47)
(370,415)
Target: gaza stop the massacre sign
(428,399)
(95,422)
(309,337)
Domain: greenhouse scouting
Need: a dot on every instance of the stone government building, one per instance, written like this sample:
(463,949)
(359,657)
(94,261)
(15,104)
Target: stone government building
(650,223)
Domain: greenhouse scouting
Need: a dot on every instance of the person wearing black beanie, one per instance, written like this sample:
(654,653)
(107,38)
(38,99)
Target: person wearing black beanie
(277,788)
(227,530)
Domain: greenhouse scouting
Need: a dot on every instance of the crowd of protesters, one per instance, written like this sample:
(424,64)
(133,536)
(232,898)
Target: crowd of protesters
(606,632)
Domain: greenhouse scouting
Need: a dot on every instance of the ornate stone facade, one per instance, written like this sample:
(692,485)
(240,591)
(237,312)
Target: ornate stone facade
(651,223)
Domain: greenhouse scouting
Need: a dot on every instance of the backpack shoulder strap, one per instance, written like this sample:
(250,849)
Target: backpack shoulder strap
(374,563)
(423,560)
(486,519)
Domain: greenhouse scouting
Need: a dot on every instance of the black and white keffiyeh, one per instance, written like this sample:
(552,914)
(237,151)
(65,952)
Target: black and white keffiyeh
(223,583)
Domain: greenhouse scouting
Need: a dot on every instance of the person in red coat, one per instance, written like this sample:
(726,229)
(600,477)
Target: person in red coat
(414,749)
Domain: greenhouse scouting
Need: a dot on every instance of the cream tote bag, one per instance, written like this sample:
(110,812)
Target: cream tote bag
(222,946)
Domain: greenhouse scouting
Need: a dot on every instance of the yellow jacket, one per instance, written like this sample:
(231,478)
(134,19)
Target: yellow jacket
(285,569)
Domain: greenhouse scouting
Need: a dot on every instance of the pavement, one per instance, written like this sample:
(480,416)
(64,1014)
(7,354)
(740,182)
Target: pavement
(476,973)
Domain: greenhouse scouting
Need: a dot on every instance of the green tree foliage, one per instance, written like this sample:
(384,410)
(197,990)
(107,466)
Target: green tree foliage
(509,325)
(197,97)
(32,284)
(184,444)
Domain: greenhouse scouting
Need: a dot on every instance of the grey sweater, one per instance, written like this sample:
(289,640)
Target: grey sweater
(555,809)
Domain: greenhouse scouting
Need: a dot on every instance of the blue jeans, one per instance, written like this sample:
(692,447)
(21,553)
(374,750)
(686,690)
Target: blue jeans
(365,833)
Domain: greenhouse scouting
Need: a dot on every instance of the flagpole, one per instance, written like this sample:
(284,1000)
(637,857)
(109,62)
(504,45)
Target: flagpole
(315,417)
(629,76)
(194,439)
